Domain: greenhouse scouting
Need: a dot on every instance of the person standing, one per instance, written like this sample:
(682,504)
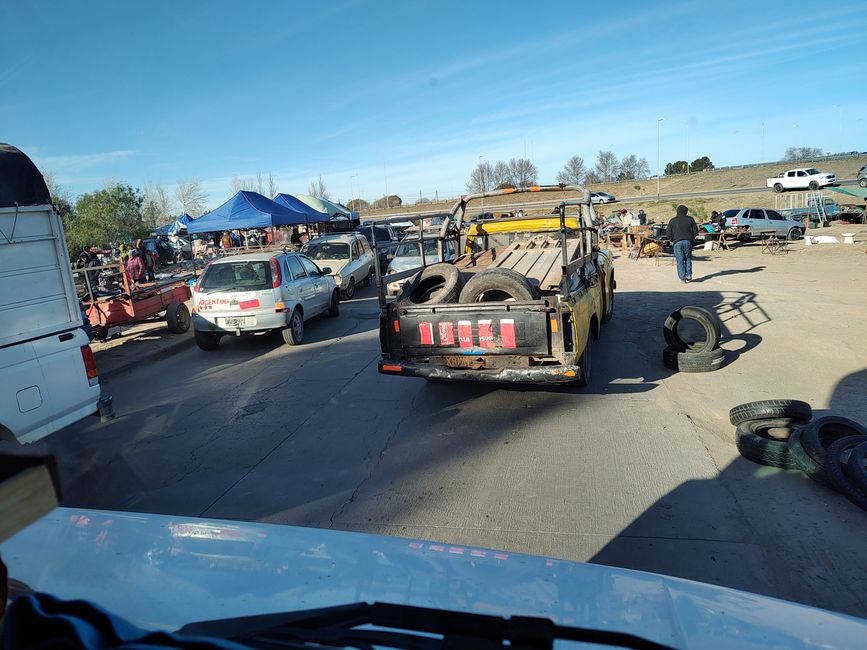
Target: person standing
(642,218)
(136,267)
(682,230)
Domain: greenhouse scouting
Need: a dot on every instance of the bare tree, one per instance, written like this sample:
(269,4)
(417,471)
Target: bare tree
(272,186)
(260,185)
(523,172)
(796,154)
(158,207)
(591,177)
(241,184)
(60,196)
(643,169)
(500,175)
(573,172)
(481,179)
(628,168)
(319,189)
(606,166)
(191,197)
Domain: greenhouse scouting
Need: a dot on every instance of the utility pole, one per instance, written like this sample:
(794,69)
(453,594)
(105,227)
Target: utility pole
(762,159)
(484,181)
(385,176)
(687,148)
(658,121)
(351,192)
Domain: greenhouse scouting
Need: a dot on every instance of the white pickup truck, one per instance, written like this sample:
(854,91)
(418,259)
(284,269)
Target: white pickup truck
(805,178)
(48,376)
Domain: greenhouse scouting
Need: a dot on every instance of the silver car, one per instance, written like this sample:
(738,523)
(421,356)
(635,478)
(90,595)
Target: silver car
(750,222)
(408,256)
(349,257)
(258,292)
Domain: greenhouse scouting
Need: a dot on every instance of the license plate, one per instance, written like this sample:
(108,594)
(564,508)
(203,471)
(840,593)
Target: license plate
(238,321)
(465,362)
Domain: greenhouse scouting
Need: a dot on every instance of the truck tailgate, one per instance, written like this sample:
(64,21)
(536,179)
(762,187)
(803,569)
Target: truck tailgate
(513,328)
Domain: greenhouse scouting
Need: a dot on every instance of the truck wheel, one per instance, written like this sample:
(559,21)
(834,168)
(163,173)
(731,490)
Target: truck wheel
(693,361)
(778,188)
(206,340)
(707,319)
(497,285)
(294,334)
(813,185)
(608,299)
(794,234)
(771,409)
(178,317)
(437,284)
(585,362)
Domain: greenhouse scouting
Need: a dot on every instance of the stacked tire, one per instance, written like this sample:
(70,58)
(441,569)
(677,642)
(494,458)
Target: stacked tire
(831,450)
(698,356)
(442,283)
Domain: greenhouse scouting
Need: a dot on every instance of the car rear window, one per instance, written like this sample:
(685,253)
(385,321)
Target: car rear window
(731,213)
(237,276)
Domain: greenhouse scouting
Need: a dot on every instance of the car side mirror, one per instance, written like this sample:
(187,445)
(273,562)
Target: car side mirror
(326,271)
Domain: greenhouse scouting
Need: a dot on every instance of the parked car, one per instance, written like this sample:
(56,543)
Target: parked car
(349,257)
(258,292)
(387,240)
(602,197)
(748,222)
(408,256)
(801,179)
(862,176)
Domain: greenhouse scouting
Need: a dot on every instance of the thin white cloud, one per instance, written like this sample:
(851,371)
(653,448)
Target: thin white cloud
(74,162)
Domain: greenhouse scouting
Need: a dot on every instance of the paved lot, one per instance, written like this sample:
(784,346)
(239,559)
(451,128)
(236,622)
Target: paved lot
(639,470)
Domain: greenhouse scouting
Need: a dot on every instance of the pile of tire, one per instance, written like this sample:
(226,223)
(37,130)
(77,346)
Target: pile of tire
(782,433)
(442,283)
(699,356)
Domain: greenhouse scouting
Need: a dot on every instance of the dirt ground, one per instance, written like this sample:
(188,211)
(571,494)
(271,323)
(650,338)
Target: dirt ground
(794,326)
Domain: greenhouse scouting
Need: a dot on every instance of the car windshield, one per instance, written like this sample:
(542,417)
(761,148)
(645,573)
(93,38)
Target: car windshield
(382,233)
(237,276)
(326,250)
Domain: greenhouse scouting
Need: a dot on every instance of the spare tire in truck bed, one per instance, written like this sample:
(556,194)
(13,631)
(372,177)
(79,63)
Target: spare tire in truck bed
(437,284)
(497,285)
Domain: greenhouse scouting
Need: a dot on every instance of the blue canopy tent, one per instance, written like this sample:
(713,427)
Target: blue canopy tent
(313,215)
(246,210)
(172,228)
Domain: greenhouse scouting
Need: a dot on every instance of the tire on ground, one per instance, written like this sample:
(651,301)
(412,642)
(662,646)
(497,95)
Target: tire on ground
(819,434)
(707,319)
(836,473)
(496,285)
(437,284)
(856,466)
(177,317)
(206,340)
(693,361)
(770,408)
(805,463)
(754,442)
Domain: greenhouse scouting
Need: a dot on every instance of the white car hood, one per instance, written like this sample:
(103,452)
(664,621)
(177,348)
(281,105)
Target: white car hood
(336,266)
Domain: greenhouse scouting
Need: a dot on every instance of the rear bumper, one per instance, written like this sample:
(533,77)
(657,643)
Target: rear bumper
(264,321)
(533,375)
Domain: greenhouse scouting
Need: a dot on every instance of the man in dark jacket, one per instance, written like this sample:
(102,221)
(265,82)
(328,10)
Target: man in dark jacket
(682,231)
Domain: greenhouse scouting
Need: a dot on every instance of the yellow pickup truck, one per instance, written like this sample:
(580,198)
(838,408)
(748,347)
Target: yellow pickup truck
(522,304)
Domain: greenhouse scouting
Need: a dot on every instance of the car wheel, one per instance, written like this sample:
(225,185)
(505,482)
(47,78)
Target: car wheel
(367,278)
(813,185)
(863,182)
(349,291)
(794,234)
(609,300)
(585,362)
(206,340)
(294,334)
(744,237)
(334,307)
(778,188)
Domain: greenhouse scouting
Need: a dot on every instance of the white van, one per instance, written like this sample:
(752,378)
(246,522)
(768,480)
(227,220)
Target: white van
(257,292)
(48,376)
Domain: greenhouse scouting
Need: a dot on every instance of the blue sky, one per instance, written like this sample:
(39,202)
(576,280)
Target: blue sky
(409,95)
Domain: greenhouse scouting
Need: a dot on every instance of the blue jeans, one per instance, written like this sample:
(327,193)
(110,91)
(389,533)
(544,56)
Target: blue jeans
(683,255)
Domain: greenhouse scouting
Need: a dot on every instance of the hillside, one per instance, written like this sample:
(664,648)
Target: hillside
(700,206)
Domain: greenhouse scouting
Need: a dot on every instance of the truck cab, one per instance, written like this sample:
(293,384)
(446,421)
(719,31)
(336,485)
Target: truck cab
(522,304)
(48,375)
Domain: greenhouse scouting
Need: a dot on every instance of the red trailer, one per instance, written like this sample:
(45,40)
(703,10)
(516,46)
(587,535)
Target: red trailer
(138,302)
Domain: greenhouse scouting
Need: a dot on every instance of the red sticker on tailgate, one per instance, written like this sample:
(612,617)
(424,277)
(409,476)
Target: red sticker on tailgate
(447,334)
(249,304)
(486,334)
(465,333)
(425,331)
(507,333)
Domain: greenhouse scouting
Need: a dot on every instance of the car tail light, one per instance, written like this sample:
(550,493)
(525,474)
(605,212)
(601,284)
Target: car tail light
(90,365)
(276,274)
(734,221)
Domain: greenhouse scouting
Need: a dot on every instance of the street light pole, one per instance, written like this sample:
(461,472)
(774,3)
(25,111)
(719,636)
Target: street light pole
(658,121)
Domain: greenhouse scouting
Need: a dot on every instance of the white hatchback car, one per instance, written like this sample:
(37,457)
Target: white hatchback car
(258,292)
(348,255)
